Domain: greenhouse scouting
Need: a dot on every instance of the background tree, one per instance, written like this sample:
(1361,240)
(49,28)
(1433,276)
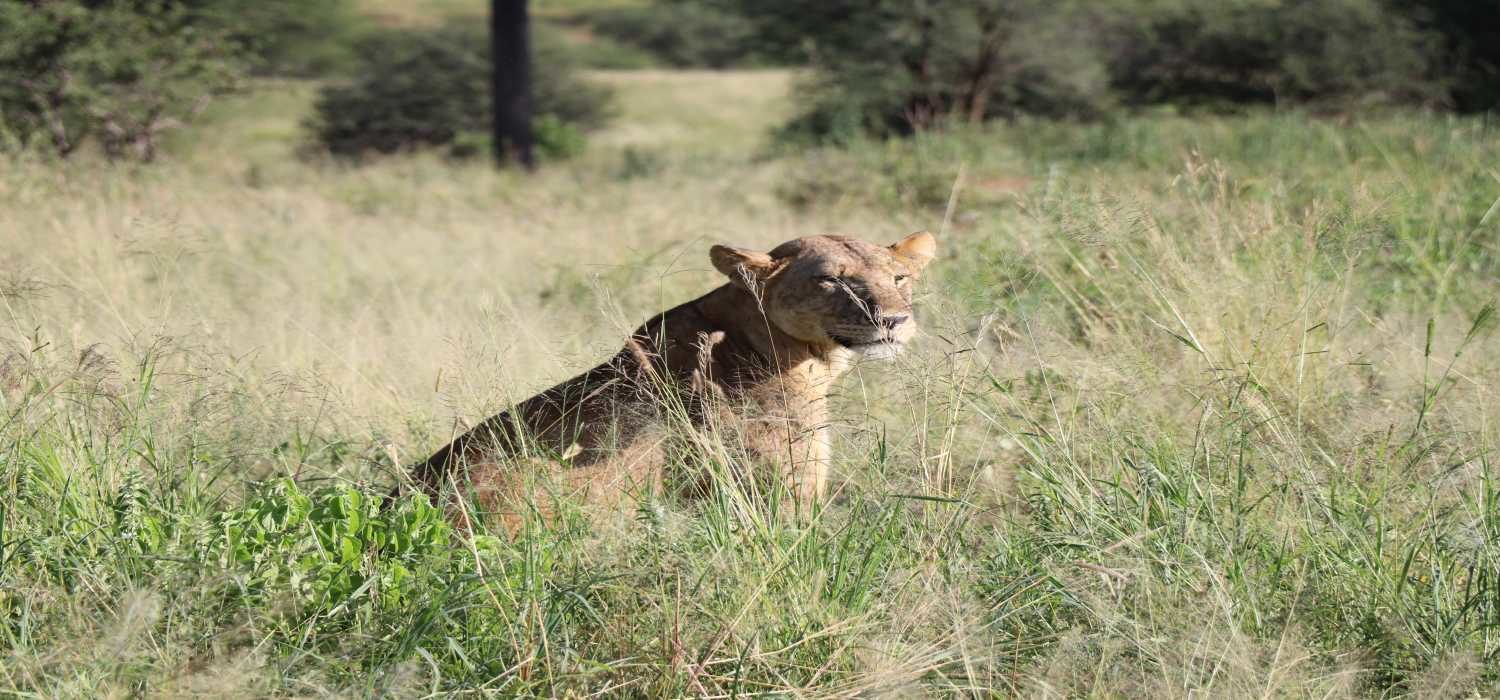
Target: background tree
(510,48)
(887,67)
(411,89)
(117,72)
(894,66)
(1469,40)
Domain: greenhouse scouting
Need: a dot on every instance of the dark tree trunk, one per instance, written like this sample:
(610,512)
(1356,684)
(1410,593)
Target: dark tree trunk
(510,50)
(982,77)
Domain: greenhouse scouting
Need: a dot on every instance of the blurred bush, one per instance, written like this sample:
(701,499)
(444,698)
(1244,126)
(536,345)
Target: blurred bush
(1330,54)
(120,72)
(892,67)
(683,34)
(116,72)
(888,67)
(425,88)
(591,50)
(294,38)
(1469,48)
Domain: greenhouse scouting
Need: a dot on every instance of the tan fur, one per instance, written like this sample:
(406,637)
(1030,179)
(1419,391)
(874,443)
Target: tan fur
(755,358)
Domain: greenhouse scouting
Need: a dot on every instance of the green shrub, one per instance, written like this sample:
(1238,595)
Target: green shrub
(556,138)
(117,72)
(1469,59)
(891,68)
(428,88)
(894,67)
(327,547)
(1330,53)
(287,37)
(683,34)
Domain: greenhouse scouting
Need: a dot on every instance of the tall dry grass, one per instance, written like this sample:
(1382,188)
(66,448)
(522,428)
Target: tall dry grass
(1202,407)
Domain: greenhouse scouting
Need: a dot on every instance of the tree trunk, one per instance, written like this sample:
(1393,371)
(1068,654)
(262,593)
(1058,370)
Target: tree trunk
(982,76)
(510,54)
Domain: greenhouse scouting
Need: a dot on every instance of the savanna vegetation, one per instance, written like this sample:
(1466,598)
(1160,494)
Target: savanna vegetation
(1204,402)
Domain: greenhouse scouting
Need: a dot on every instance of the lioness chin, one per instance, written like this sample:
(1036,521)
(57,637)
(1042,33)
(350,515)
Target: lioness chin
(755,358)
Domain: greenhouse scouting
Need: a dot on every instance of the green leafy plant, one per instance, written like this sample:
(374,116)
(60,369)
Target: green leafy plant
(330,549)
(431,88)
(683,34)
(120,73)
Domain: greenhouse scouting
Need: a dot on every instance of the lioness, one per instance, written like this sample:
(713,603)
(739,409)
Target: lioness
(757,355)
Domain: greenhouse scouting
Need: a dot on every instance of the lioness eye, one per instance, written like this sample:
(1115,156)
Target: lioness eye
(900,278)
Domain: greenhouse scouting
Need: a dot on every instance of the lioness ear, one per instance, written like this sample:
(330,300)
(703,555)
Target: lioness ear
(745,267)
(919,248)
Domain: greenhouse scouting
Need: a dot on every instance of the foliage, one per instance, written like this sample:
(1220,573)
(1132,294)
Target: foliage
(894,67)
(325,549)
(682,34)
(430,88)
(600,52)
(118,72)
(1333,53)
(555,140)
(286,37)
(1469,61)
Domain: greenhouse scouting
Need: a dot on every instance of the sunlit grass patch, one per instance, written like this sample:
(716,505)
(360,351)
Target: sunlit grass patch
(1201,407)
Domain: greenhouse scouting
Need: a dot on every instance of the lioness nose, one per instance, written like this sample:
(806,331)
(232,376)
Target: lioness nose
(893,321)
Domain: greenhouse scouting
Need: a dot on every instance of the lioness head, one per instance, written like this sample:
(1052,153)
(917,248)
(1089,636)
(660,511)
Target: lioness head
(835,290)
